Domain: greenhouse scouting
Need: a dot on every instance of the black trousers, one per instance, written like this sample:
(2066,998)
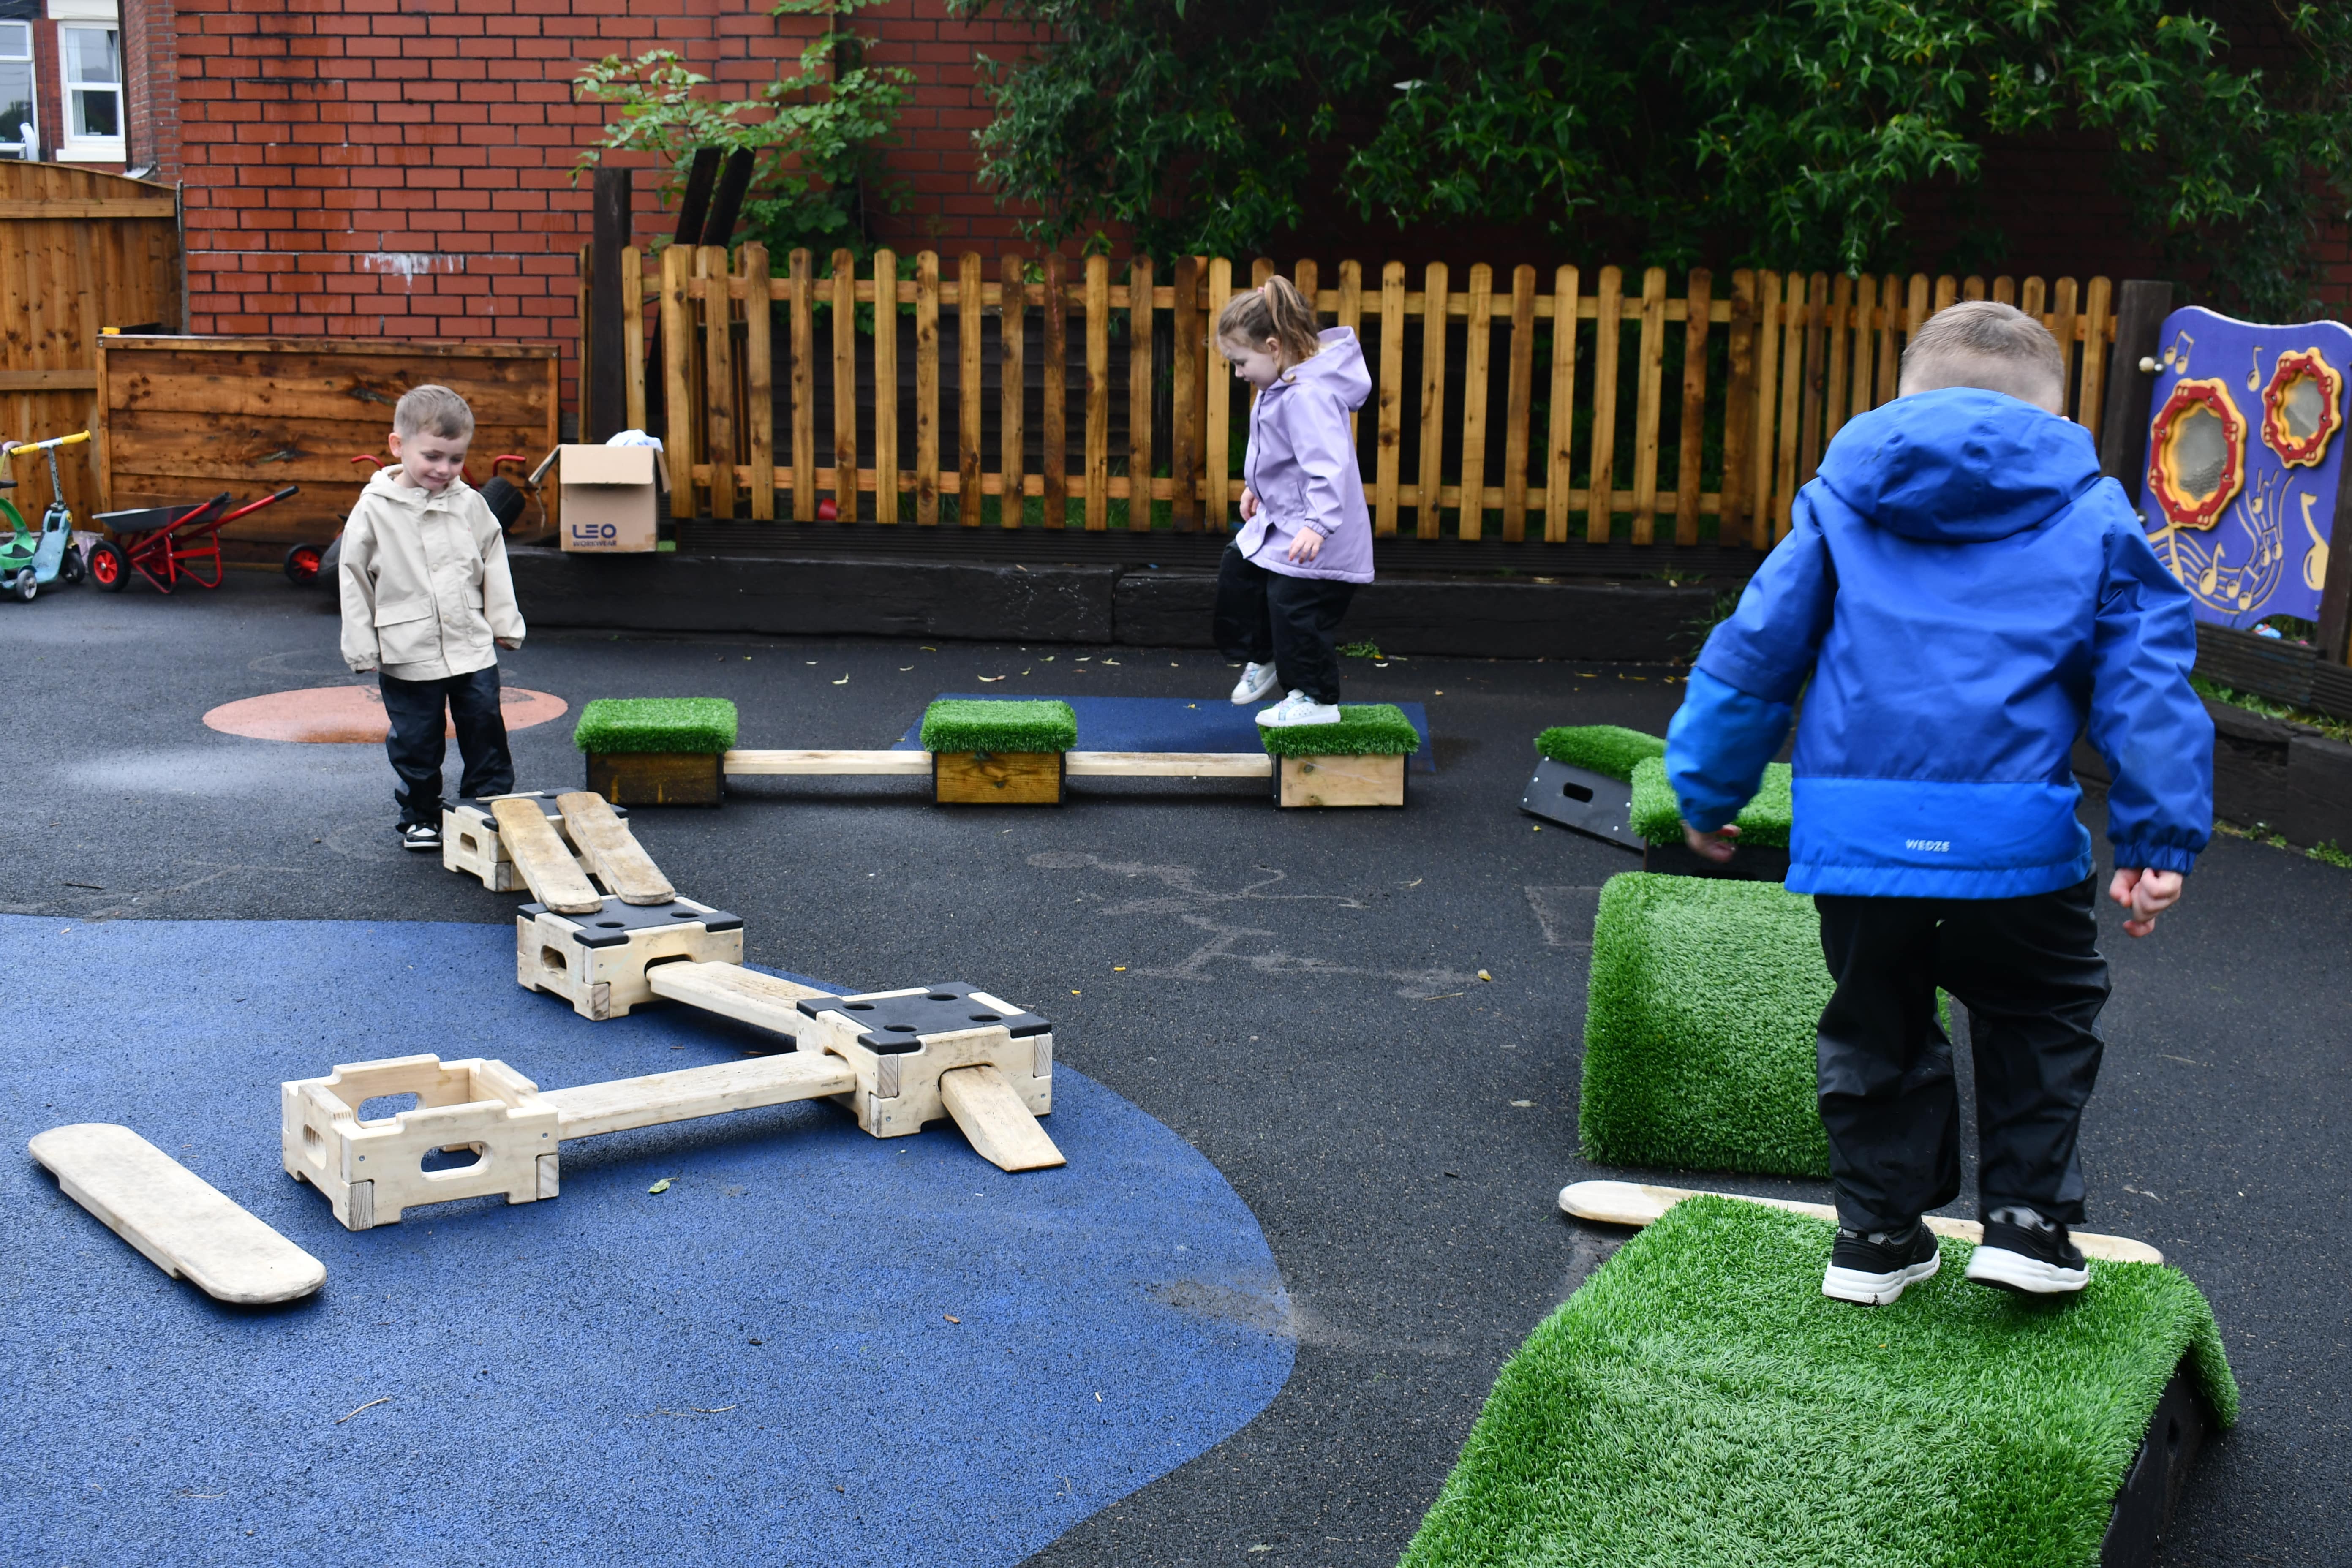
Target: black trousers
(2029,974)
(418,742)
(1264,615)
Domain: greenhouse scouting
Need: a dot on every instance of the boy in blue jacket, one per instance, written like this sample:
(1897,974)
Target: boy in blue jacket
(1965,593)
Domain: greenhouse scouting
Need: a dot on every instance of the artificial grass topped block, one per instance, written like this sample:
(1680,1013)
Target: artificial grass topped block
(697,724)
(1704,999)
(1610,750)
(1699,1403)
(983,724)
(1657,817)
(1364,729)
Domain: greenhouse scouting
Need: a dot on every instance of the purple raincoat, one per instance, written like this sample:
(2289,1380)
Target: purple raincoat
(1302,466)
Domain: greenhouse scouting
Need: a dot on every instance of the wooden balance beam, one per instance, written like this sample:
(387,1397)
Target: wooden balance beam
(1076,764)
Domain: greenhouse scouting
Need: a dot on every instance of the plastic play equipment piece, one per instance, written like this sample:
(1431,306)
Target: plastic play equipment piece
(540,858)
(178,1221)
(30,561)
(610,852)
(167,543)
(1584,779)
(1638,1204)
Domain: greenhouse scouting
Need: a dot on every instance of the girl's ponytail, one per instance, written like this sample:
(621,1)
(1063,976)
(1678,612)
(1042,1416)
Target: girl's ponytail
(1273,310)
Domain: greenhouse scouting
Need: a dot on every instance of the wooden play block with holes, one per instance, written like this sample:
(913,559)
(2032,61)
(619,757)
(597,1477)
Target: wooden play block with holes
(177,1220)
(1376,780)
(610,852)
(542,860)
(996,778)
(901,1044)
(470,844)
(597,959)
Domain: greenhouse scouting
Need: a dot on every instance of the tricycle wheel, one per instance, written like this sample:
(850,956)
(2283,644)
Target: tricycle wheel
(108,568)
(27,586)
(302,564)
(70,565)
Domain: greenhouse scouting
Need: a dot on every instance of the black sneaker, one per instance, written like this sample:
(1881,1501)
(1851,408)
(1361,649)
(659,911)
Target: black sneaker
(422,836)
(2023,1252)
(1874,1269)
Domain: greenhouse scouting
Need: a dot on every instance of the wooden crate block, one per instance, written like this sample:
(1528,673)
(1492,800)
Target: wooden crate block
(371,1171)
(997,778)
(898,1091)
(1341,781)
(597,962)
(656,778)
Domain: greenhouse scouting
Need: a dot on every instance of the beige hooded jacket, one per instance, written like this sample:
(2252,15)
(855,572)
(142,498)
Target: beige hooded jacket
(424,583)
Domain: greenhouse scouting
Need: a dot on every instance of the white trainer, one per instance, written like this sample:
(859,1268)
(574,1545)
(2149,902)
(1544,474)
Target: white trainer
(1257,683)
(1298,709)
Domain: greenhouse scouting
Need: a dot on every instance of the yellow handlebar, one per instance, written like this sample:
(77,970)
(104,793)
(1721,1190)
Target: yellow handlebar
(13,447)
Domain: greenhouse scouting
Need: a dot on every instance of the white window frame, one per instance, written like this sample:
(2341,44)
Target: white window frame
(91,149)
(7,132)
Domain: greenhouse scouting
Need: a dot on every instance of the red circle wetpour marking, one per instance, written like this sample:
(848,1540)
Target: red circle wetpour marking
(350,714)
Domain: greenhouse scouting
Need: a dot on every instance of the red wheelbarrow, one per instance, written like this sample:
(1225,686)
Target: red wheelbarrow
(166,543)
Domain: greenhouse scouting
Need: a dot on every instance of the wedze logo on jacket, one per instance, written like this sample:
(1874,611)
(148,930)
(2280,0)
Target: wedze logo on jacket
(1965,593)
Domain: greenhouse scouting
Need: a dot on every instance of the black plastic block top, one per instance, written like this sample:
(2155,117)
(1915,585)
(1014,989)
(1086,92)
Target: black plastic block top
(893,1025)
(546,804)
(611,926)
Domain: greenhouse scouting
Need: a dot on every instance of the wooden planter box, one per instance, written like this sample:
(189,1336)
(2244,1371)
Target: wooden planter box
(997,778)
(656,778)
(1340,781)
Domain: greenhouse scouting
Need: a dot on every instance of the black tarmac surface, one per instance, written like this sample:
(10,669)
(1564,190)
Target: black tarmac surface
(1297,993)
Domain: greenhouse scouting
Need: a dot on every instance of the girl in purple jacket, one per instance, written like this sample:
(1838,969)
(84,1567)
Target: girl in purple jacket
(1306,539)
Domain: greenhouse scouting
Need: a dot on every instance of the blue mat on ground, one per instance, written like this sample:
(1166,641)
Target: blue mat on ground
(753,1366)
(1167,724)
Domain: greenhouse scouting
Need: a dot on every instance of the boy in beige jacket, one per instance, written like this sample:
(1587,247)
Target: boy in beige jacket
(427,603)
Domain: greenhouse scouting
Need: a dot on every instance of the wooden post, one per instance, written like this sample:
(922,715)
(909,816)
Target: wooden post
(2035,300)
(1972,289)
(2123,428)
(1601,497)
(1054,429)
(1817,311)
(1648,404)
(1216,433)
(1184,394)
(803,322)
(760,376)
(1739,404)
(1839,347)
(606,404)
(1139,395)
(1560,445)
(1889,363)
(1388,433)
(1519,408)
(1701,297)
(1350,315)
(677,344)
(2090,401)
(2004,289)
(844,386)
(1481,322)
(2063,328)
(969,319)
(1427,519)
(1762,448)
(1012,343)
(1793,376)
(632,334)
(1097,479)
(886,386)
(719,377)
(1947,292)
(927,388)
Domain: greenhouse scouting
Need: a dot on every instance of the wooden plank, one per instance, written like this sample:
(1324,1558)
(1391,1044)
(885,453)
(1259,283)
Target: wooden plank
(1184,394)
(927,388)
(844,386)
(49,381)
(2091,397)
(1388,435)
(1350,315)
(1947,292)
(1739,407)
(1167,765)
(1696,322)
(1431,480)
(1836,347)
(886,477)
(1097,452)
(1649,403)
(886,764)
(1640,1204)
(2004,289)
(1217,427)
(555,878)
(610,852)
(1793,375)
(177,1220)
(1972,287)
(1012,341)
(1559,444)
(1054,445)
(632,334)
(88,211)
(1816,309)
(999,1128)
(1472,519)
(316,386)
(1139,369)
(802,294)
(1518,408)
(1889,341)
(2061,327)
(1609,318)
(2035,298)
(592,1110)
(971,318)
(679,410)
(746,995)
(758,379)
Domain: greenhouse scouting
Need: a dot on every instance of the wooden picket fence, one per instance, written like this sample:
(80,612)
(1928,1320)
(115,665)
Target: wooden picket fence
(1521,438)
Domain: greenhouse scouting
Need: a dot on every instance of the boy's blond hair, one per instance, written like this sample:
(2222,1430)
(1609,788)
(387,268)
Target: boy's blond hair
(1988,346)
(432,410)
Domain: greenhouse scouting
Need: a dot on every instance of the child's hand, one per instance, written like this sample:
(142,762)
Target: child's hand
(1304,545)
(509,643)
(1716,845)
(2147,894)
(1249,503)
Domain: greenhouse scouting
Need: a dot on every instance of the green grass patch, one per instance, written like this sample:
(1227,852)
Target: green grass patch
(1364,729)
(1699,1403)
(1700,1014)
(1610,750)
(1657,817)
(983,724)
(697,724)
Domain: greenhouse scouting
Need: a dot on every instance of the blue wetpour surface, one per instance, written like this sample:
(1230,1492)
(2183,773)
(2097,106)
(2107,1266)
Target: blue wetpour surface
(1168,725)
(754,1365)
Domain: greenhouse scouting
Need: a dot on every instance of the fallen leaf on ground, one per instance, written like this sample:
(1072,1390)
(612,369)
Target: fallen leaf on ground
(1523,1104)
(904,668)
(660,1186)
(1483,976)
(992,678)
(950,1316)
(843,681)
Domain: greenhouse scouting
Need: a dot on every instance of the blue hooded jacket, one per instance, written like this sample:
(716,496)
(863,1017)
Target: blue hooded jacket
(1965,593)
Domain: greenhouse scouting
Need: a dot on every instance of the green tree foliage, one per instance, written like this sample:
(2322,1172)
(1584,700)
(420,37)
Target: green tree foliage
(817,130)
(1786,133)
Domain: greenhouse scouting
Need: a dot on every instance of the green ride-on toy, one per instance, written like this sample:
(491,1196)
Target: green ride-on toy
(29,561)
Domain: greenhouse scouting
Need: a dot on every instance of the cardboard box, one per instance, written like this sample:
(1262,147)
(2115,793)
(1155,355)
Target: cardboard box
(605,498)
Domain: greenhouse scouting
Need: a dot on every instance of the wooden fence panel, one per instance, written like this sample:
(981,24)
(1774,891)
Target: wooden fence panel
(1012,396)
(718,375)
(1698,316)
(1519,407)
(1560,449)
(760,380)
(1473,515)
(1098,471)
(1429,485)
(1602,485)
(802,289)
(1389,431)
(927,390)
(1139,308)
(1055,425)
(844,386)
(1184,394)
(1217,384)
(969,319)
(1648,391)
(886,387)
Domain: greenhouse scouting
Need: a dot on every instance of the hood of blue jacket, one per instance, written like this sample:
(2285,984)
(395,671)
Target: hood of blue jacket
(1960,465)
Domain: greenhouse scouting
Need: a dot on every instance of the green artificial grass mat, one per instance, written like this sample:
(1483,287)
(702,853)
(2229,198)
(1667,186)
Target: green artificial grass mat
(656,724)
(983,724)
(1657,817)
(1609,749)
(1364,729)
(1699,1403)
(1701,1008)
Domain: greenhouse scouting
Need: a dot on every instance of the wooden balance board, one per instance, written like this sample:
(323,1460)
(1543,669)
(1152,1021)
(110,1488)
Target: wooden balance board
(181,1223)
